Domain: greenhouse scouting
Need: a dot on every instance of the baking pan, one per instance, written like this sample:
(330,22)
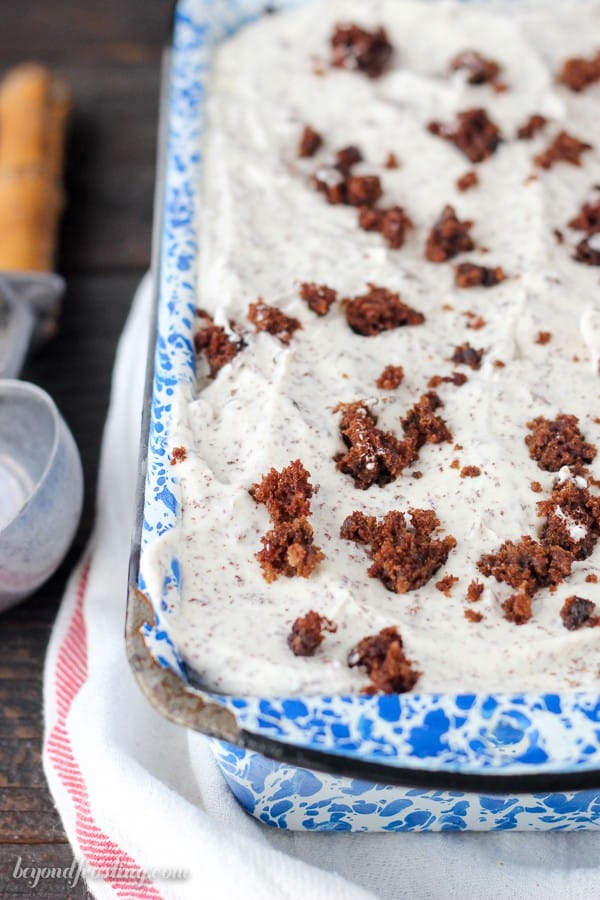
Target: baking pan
(392,762)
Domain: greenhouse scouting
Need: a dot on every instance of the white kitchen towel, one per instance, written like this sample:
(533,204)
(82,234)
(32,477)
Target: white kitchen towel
(142,801)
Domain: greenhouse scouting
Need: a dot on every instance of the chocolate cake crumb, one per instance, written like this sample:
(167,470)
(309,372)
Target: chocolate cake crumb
(288,550)
(466,355)
(559,442)
(382,655)
(469,275)
(558,236)
(373,456)
(572,518)
(517,608)
(527,565)
(457,378)
(379,310)
(392,161)
(473,133)
(363,190)
(392,223)
(318,297)
(498,364)
(588,218)
(178,454)
(564,148)
(286,494)
(364,51)
(536,487)
(273,320)
(422,426)
(416,475)
(310,142)
(446,584)
(579,73)
(479,69)
(448,237)
(216,344)
(474,591)
(476,323)
(588,251)
(577,611)
(531,127)
(308,633)
(328,180)
(390,378)
(404,556)
(348,157)
(473,615)
(470,472)
(543,337)
(467,181)
(455,464)
(591,578)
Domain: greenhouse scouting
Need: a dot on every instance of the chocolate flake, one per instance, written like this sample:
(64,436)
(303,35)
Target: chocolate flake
(473,133)
(308,633)
(557,443)
(382,655)
(448,237)
(379,310)
(364,51)
(404,556)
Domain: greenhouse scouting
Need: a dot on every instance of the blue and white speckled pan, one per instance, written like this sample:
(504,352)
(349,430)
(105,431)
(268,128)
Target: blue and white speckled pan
(394,762)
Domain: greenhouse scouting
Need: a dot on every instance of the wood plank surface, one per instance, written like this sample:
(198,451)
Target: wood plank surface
(110,52)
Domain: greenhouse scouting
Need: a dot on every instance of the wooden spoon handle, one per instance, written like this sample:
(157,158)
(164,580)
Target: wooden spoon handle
(34,109)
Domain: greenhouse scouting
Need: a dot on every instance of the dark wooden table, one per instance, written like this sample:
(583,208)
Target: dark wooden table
(110,52)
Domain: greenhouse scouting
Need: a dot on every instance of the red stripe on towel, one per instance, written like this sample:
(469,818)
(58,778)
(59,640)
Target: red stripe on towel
(100,852)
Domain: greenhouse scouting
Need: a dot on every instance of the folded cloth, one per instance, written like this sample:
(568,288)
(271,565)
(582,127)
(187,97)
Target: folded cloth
(142,801)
